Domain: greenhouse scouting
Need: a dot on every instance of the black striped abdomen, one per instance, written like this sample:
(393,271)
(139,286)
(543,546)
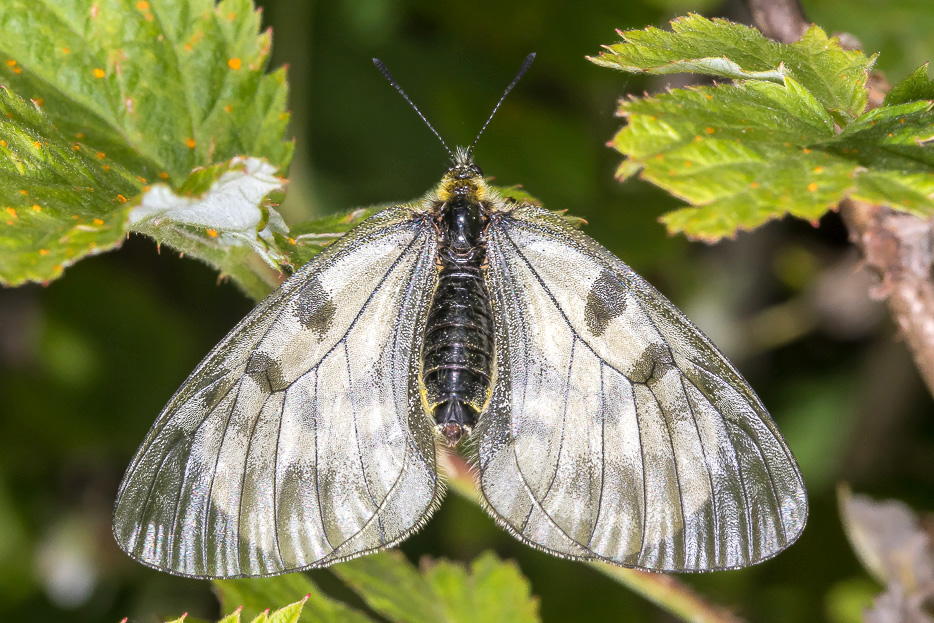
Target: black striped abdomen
(457,352)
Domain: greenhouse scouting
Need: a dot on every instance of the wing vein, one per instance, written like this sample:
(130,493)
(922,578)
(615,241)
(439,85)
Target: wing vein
(246,458)
(356,432)
(528,488)
(564,414)
(713,493)
(208,502)
(314,433)
(596,517)
(674,460)
(275,484)
(554,302)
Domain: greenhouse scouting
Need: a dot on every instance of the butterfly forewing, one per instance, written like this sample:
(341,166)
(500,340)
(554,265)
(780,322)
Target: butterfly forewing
(299,441)
(617,431)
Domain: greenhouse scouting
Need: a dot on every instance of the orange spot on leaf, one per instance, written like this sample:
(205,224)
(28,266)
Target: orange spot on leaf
(806,150)
(99,73)
(121,198)
(12,212)
(212,233)
(98,221)
(754,185)
(190,142)
(818,169)
(43,251)
(234,63)
(17,70)
(812,187)
(164,175)
(709,130)
(36,207)
(142,5)
(101,155)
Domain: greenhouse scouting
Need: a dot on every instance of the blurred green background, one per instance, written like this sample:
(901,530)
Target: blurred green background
(87,362)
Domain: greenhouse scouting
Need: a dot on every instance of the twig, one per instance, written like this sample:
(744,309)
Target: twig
(665,591)
(896,245)
(781,20)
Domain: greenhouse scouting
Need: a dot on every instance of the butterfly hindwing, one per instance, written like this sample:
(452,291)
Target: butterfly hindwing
(299,441)
(617,431)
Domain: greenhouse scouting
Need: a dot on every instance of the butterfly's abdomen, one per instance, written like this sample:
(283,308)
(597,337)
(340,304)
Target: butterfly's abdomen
(457,350)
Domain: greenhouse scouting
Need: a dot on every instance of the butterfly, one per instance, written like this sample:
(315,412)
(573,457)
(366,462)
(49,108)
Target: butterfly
(602,423)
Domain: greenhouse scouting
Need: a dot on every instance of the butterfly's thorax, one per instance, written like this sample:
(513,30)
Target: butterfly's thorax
(457,350)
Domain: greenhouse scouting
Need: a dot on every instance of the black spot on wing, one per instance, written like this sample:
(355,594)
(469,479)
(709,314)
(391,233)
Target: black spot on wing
(315,308)
(209,386)
(606,301)
(266,371)
(654,361)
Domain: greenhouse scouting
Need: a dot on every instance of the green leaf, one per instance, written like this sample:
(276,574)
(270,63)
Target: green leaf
(311,237)
(746,153)
(233,617)
(220,215)
(258,595)
(59,201)
(156,88)
(917,86)
(836,77)
(489,590)
(287,614)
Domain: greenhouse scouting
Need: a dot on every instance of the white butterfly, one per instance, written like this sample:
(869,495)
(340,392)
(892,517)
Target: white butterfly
(605,426)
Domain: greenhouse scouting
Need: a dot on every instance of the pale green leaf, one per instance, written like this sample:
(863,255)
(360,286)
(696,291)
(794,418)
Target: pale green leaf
(224,224)
(311,237)
(489,590)
(288,614)
(836,77)
(59,201)
(917,86)
(233,617)
(258,595)
(157,89)
(754,151)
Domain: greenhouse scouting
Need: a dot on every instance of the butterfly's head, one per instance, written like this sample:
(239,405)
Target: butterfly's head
(463,179)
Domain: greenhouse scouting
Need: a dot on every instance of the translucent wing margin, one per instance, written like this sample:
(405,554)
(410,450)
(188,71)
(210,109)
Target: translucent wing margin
(299,441)
(617,430)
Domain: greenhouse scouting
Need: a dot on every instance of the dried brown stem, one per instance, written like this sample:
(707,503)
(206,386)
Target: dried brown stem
(781,20)
(896,245)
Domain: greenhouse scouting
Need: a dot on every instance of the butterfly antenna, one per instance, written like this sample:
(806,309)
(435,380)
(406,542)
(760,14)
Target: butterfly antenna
(525,67)
(383,70)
